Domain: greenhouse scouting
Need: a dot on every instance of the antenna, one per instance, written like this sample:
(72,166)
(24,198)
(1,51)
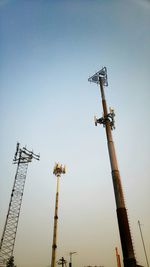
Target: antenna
(107,121)
(143,243)
(57,171)
(118,258)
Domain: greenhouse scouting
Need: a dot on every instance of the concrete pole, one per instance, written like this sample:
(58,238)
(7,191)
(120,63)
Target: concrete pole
(125,235)
(62,262)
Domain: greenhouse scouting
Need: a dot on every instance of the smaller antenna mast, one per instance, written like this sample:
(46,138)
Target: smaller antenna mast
(118,258)
(57,171)
(143,243)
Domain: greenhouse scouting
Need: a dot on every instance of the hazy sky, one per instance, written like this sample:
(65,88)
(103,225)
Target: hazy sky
(48,49)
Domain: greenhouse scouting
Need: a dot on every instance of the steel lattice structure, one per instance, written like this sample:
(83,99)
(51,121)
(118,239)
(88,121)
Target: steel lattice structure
(22,158)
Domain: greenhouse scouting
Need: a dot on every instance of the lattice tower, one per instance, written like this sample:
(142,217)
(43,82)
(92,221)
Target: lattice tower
(22,158)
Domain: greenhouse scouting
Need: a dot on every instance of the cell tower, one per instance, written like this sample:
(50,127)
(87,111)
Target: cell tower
(108,122)
(22,158)
(58,170)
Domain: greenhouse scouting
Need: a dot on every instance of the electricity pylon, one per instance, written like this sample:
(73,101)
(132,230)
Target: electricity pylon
(22,158)
(107,121)
(58,170)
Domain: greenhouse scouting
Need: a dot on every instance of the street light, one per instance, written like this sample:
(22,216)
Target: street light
(71,253)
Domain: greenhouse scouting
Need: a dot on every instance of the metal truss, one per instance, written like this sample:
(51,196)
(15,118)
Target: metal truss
(22,158)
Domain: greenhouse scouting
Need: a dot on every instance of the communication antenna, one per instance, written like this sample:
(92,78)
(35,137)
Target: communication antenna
(22,158)
(58,170)
(107,120)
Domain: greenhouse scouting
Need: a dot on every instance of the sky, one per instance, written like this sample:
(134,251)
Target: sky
(48,50)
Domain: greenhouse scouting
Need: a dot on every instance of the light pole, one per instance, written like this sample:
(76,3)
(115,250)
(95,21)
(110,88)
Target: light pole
(71,253)
(58,170)
(108,122)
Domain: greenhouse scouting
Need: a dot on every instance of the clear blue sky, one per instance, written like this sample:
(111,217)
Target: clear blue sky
(48,49)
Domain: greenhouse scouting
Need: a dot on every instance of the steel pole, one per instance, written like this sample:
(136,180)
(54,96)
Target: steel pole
(54,245)
(125,235)
(118,258)
(143,244)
